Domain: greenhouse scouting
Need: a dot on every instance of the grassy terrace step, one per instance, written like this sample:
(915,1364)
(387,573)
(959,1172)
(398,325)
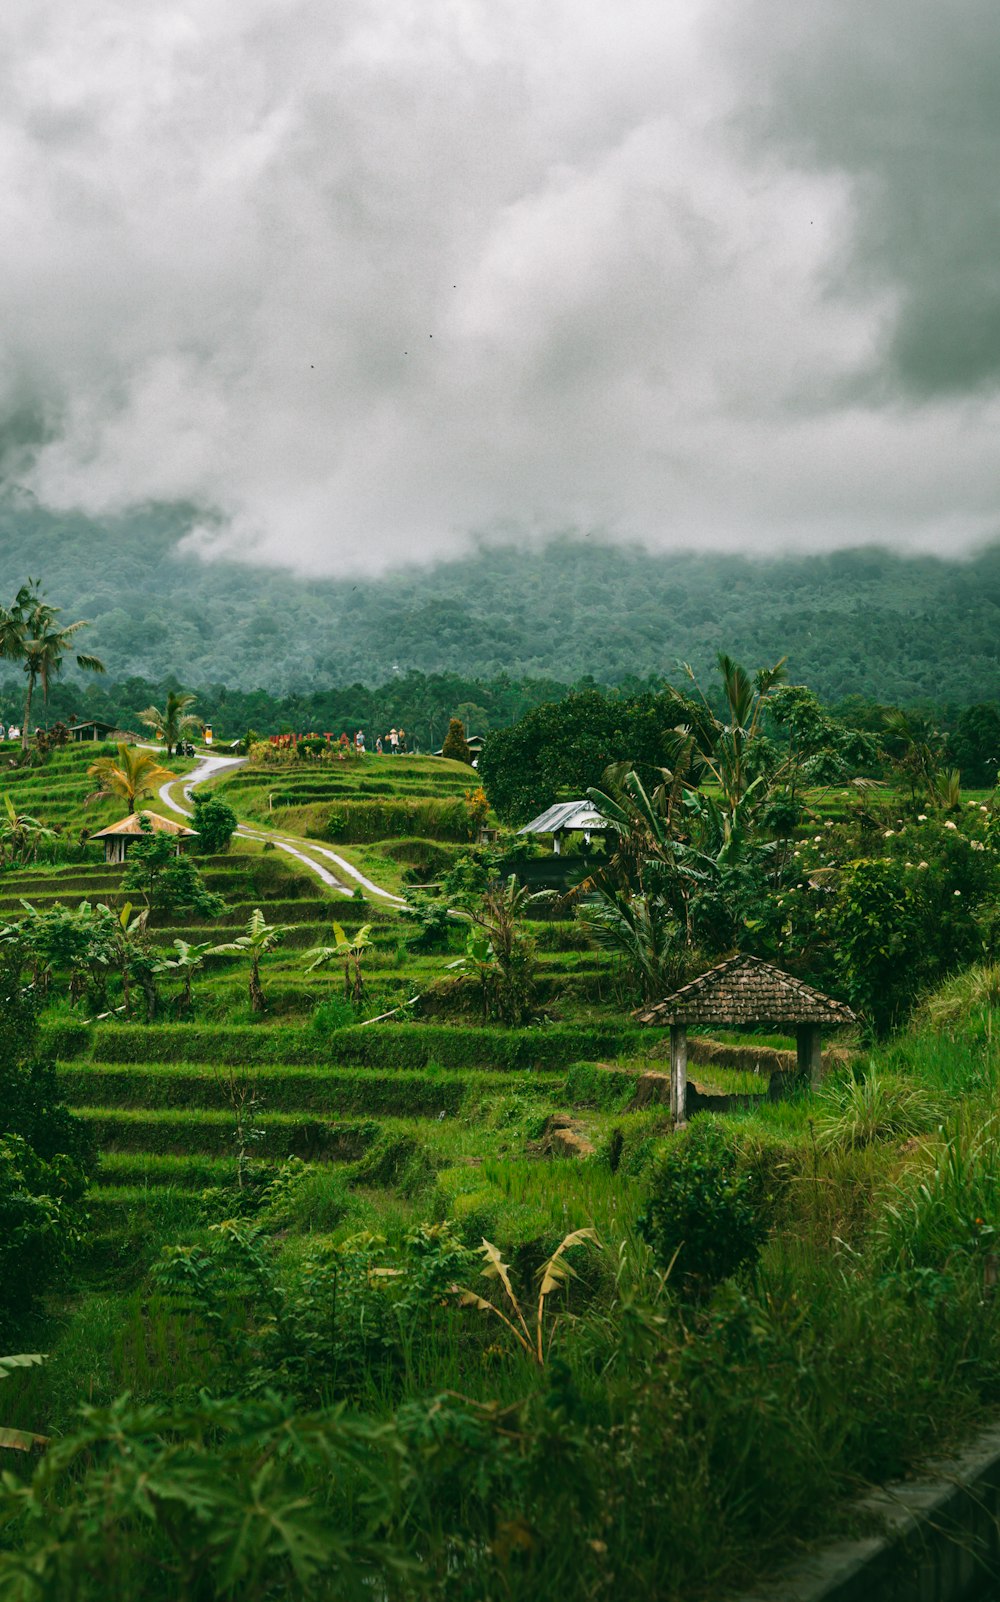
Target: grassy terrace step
(388,1045)
(176,1130)
(179,1207)
(384,1046)
(299,937)
(80,882)
(330,1092)
(135,1171)
(313,910)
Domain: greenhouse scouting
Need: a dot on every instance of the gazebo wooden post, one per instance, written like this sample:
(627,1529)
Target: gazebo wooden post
(678,1072)
(809,1050)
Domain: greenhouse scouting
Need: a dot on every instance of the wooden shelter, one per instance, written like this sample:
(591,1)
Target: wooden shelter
(96,729)
(746,991)
(119,836)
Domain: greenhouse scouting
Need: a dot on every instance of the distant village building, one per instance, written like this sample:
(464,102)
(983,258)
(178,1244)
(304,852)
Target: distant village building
(473,741)
(95,729)
(119,836)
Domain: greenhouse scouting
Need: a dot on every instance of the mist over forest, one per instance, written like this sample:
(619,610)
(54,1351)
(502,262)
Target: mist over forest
(853,622)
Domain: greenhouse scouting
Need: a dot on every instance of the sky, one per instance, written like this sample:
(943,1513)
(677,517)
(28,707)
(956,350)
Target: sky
(359,283)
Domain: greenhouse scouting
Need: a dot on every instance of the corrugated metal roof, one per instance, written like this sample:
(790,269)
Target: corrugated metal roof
(746,990)
(566,815)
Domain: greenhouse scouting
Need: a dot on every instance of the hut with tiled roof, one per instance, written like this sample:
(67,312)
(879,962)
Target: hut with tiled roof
(745,991)
(119,836)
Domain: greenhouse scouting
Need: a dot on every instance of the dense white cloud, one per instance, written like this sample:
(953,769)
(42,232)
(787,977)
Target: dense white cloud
(365,281)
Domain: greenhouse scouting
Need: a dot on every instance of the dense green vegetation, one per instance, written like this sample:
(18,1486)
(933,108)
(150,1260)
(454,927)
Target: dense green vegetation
(865,621)
(395,1277)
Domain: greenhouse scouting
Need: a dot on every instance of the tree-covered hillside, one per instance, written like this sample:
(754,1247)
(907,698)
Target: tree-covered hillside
(854,622)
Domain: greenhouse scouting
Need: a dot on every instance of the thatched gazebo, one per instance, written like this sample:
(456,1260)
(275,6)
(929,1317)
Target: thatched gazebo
(119,836)
(746,991)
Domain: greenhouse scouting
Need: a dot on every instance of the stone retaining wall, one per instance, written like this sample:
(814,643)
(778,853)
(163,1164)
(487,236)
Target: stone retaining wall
(940,1541)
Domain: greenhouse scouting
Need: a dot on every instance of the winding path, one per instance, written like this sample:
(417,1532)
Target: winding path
(304,851)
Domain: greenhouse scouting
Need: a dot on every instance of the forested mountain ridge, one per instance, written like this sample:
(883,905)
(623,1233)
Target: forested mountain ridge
(864,621)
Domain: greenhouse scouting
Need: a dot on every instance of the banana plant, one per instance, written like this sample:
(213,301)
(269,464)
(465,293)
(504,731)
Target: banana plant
(20,1440)
(20,834)
(553,1274)
(351,951)
(124,939)
(259,939)
(190,959)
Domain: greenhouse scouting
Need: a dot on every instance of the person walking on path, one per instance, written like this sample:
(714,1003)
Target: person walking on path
(393,742)
(378,744)
(359,742)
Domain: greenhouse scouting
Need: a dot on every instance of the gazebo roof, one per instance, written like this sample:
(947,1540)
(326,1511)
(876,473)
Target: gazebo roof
(745,990)
(132,826)
(565,815)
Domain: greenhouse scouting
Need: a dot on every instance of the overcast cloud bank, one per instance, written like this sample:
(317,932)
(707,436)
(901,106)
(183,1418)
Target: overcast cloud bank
(366,281)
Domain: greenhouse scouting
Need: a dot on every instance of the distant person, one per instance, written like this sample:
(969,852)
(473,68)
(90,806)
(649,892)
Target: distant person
(378,744)
(13,733)
(3,732)
(402,741)
(359,742)
(393,742)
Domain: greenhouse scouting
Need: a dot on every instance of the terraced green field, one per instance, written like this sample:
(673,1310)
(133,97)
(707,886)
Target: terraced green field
(56,794)
(156,1098)
(328,1087)
(391,816)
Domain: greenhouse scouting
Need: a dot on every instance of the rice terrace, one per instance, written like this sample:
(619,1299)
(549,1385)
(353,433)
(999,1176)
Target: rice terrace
(422,1179)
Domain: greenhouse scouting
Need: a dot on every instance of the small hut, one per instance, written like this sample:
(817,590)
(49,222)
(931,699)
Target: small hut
(96,729)
(119,836)
(568,817)
(746,991)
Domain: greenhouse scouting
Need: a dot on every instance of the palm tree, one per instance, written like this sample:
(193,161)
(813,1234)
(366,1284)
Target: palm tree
(128,776)
(31,634)
(175,721)
(352,951)
(916,751)
(260,938)
(642,932)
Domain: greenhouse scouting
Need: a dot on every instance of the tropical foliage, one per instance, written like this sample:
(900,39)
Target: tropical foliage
(31,634)
(174,722)
(129,777)
(259,939)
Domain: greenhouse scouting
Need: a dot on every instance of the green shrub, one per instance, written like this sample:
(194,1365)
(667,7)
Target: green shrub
(45,1157)
(41,1224)
(397,1162)
(935,1219)
(455,745)
(705,1212)
(332,1013)
(878,1106)
(362,822)
(216,823)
